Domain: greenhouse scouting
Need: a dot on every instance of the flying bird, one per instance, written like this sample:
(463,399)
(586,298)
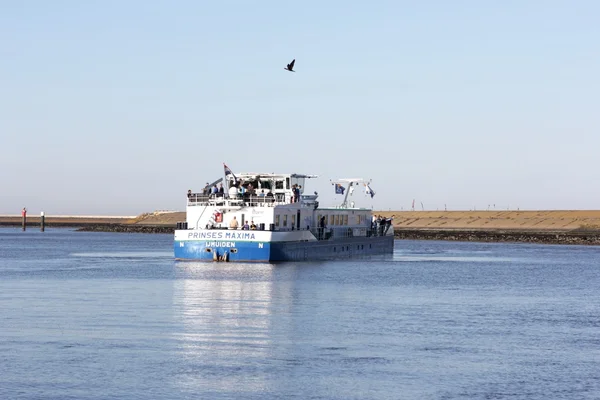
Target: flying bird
(290,66)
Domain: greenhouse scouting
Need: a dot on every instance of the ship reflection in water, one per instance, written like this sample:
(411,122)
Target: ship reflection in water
(225,310)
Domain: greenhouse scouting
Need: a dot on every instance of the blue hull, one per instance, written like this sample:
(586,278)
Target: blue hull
(244,251)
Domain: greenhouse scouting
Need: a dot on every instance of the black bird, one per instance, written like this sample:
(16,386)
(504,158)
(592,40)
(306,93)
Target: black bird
(290,66)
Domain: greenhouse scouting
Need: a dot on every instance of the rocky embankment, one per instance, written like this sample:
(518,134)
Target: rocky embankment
(573,237)
(125,228)
(156,222)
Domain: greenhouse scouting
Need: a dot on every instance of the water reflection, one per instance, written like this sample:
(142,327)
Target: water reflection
(225,311)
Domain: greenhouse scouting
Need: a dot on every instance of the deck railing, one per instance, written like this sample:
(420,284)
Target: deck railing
(347,232)
(323,233)
(219,199)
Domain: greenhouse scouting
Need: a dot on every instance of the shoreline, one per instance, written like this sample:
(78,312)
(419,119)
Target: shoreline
(546,227)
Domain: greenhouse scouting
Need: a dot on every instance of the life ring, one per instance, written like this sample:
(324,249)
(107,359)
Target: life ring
(218,217)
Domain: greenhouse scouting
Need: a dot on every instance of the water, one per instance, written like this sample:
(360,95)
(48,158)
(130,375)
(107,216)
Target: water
(112,316)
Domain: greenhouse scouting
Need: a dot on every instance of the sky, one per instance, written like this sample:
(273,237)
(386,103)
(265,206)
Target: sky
(119,107)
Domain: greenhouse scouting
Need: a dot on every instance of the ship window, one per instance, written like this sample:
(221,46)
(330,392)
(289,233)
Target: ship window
(265,184)
(293,220)
(331,219)
(277,220)
(337,220)
(345,220)
(287,183)
(285,220)
(233,250)
(279,185)
(208,250)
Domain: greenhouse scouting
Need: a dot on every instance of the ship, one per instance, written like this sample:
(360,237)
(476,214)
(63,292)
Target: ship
(271,217)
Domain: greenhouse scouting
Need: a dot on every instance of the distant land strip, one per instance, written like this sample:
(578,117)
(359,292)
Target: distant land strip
(555,226)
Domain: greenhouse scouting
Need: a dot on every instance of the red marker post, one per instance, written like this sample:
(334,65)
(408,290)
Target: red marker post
(24,215)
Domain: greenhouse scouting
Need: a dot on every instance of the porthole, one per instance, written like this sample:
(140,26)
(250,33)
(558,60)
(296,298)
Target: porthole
(208,250)
(233,250)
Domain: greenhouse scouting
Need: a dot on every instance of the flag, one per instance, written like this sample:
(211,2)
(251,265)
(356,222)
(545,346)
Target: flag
(228,171)
(369,190)
(339,189)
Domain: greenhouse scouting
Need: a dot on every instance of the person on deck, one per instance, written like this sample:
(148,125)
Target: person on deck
(388,224)
(270,196)
(233,224)
(321,227)
(233,192)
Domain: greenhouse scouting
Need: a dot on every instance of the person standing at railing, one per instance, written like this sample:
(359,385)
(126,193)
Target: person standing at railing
(233,224)
(189,193)
(388,224)
(233,192)
(321,227)
(380,225)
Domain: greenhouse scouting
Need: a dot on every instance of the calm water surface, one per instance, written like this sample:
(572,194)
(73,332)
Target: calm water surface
(113,316)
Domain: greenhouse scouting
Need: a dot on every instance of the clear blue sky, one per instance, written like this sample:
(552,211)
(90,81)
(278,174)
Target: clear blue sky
(119,107)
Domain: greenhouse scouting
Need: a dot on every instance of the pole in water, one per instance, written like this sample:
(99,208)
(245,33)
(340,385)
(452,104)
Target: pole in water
(42,221)
(24,217)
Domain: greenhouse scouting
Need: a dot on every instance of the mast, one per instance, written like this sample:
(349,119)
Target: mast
(350,183)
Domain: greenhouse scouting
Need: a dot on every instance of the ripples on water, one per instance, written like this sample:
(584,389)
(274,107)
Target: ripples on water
(99,315)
